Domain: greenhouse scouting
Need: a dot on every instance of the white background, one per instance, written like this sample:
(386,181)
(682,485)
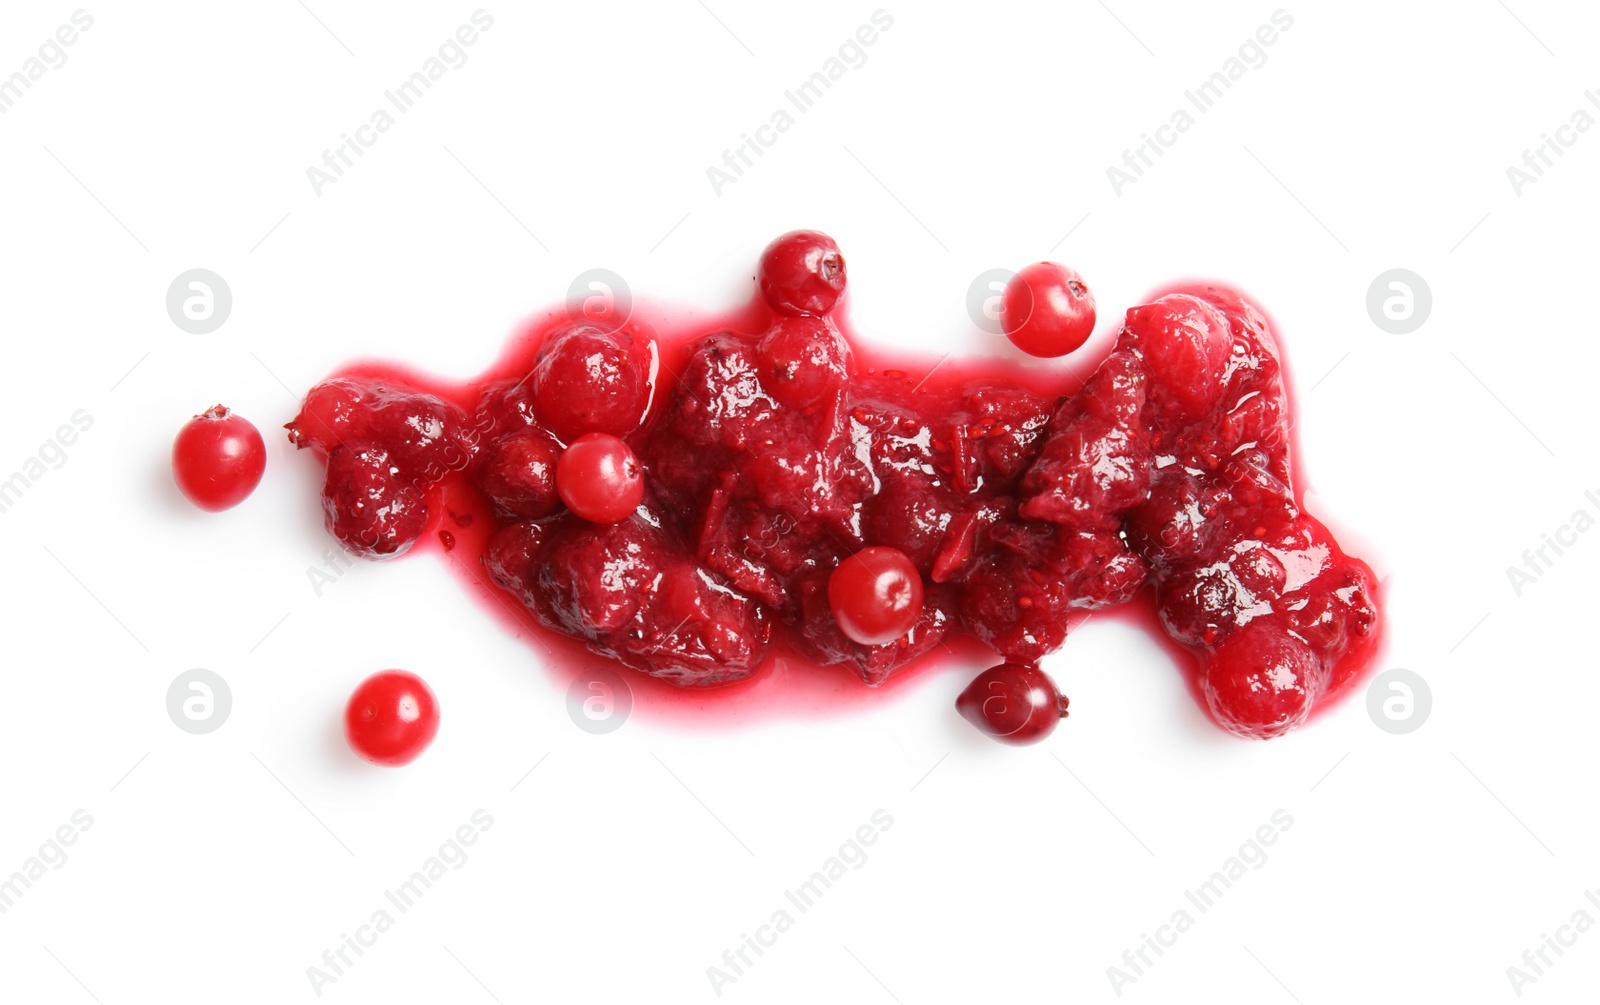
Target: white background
(220,867)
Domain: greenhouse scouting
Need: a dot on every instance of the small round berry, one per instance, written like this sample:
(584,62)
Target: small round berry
(510,555)
(589,380)
(391,718)
(802,359)
(802,272)
(333,412)
(218,459)
(1261,681)
(1047,310)
(367,504)
(599,478)
(1013,703)
(520,474)
(876,595)
(424,434)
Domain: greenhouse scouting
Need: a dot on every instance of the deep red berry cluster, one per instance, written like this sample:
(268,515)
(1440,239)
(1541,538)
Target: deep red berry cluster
(692,507)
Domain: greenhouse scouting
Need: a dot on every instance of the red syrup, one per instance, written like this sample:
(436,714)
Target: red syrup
(1156,482)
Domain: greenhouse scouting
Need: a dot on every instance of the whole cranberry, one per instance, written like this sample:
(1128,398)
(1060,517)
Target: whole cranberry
(599,478)
(368,505)
(1047,310)
(218,459)
(802,272)
(803,359)
(519,474)
(1013,703)
(875,595)
(391,718)
(589,380)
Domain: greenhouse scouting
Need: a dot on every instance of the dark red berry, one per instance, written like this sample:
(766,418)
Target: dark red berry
(425,436)
(1047,310)
(802,272)
(519,474)
(510,555)
(599,478)
(1261,682)
(391,718)
(1013,703)
(368,505)
(218,459)
(589,380)
(875,595)
(803,359)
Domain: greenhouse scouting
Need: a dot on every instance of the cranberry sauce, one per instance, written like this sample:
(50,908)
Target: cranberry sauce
(766,448)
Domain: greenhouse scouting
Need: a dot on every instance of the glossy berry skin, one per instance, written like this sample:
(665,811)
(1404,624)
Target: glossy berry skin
(519,474)
(810,499)
(1261,681)
(599,478)
(1013,703)
(875,595)
(802,272)
(218,459)
(369,505)
(590,380)
(1047,310)
(802,360)
(333,412)
(391,718)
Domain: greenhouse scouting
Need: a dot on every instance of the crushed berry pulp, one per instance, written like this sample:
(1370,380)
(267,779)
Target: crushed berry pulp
(772,446)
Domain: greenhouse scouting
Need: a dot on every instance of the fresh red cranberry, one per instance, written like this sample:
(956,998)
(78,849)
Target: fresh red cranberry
(875,595)
(599,478)
(802,272)
(519,474)
(218,459)
(589,380)
(391,718)
(368,505)
(332,413)
(803,359)
(1014,703)
(1047,310)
